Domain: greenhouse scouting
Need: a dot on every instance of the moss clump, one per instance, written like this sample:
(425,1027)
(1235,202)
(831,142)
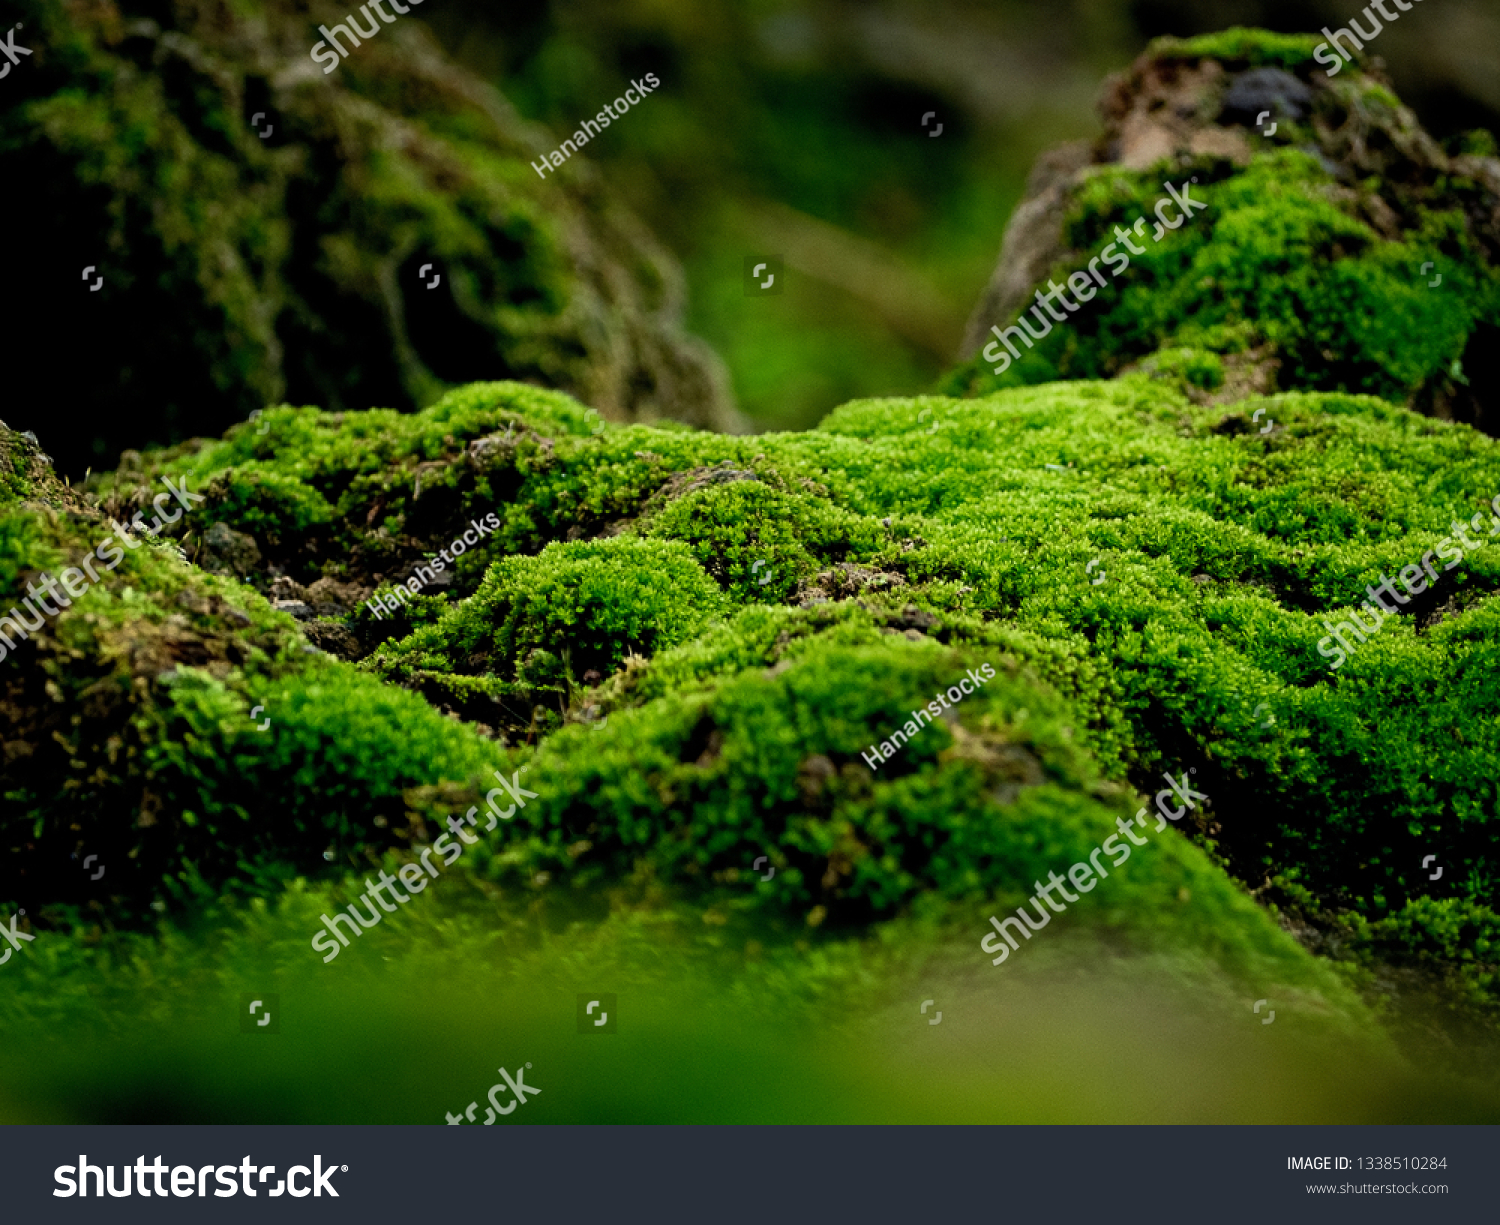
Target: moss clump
(762,543)
(974,809)
(1226,538)
(1274,251)
(1192,367)
(26,473)
(1223,545)
(1223,550)
(1239,47)
(1454,940)
(1345,252)
(361,498)
(292,266)
(129,735)
(573,608)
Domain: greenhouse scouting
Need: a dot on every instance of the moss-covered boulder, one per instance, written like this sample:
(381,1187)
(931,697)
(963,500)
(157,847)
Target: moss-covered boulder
(375,236)
(1165,568)
(1337,247)
(913,661)
(174,724)
(179,727)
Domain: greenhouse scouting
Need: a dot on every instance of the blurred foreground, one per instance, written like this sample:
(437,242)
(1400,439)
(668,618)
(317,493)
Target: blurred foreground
(413,1025)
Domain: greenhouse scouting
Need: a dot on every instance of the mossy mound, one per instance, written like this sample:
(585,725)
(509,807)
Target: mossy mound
(774,762)
(574,609)
(320,510)
(293,258)
(1343,251)
(1164,568)
(176,726)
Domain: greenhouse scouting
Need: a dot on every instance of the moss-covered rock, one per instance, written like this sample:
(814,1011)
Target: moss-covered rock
(174,724)
(1345,250)
(692,642)
(240,268)
(1167,568)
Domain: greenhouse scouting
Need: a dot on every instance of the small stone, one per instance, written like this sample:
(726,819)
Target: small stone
(297,609)
(226,550)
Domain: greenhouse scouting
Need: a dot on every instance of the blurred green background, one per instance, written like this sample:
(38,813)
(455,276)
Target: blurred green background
(794,128)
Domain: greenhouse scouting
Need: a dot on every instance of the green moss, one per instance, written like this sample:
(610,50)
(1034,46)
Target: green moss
(1154,576)
(1478,143)
(136,704)
(1274,259)
(758,541)
(270,505)
(1151,576)
(343,749)
(13,483)
(775,760)
(1455,940)
(594,602)
(291,267)
(1200,368)
(736,732)
(363,496)
(26,473)
(1241,47)
(1222,550)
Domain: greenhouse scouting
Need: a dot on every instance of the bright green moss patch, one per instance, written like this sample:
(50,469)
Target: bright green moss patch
(1220,547)
(1201,368)
(1241,47)
(760,542)
(604,599)
(271,505)
(1454,940)
(364,497)
(773,762)
(1221,550)
(325,781)
(1278,251)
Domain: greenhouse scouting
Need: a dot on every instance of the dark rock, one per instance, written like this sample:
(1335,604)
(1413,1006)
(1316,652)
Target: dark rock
(225,550)
(1253,93)
(333,638)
